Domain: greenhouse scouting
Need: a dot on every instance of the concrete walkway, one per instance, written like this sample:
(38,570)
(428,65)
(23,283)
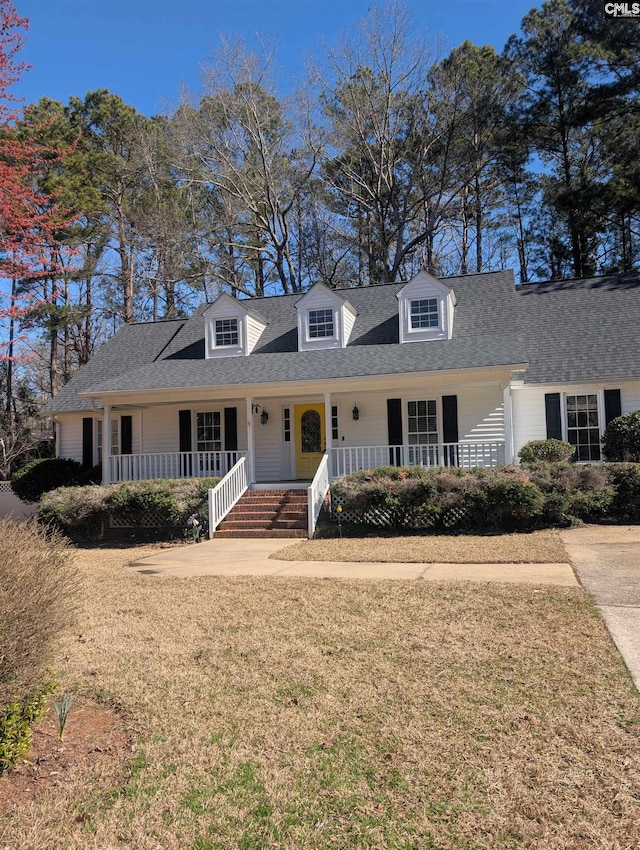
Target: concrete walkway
(607,561)
(251,557)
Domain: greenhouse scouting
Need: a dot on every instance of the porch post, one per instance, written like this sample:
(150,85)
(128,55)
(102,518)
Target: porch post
(251,466)
(106,444)
(328,431)
(508,423)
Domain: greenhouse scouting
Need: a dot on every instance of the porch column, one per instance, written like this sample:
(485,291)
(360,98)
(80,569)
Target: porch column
(508,423)
(328,431)
(251,463)
(106,444)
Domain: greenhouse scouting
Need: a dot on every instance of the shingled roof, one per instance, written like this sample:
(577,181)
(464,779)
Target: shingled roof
(566,331)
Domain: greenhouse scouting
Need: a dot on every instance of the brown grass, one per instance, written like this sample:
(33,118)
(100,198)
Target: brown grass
(293,713)
(539,547)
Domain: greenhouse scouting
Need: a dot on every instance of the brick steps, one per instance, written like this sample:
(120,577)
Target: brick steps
(267,513)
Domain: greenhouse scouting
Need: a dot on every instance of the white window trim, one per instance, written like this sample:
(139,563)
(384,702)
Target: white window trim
(214,337)
(599,393)
(194,428)
(320,340)
(438,326)
(405,417)
(98,438)
(411,334)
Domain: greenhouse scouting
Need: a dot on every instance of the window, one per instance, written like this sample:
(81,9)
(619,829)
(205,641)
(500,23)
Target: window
(226,332)
(208,432)
(583,426)
(334,422)
(287,424)
(424,313)
(320,324)
(422,422)
(115,438)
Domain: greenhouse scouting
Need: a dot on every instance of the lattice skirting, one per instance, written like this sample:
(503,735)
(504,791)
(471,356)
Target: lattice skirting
(382,518)
(149,519)
(5,487)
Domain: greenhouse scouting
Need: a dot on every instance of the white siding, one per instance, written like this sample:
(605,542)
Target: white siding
(480,413)
(268,441)
(70,436)
(529,422)
(254,332)
(161,429)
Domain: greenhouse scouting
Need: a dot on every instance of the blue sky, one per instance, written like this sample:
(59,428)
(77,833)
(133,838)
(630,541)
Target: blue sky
(144,50)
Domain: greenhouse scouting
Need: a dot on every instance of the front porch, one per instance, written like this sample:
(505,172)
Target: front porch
(342,460)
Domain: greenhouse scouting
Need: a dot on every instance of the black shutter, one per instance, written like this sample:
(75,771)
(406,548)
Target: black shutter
(126,435)
(450,418)
(394,426)
(230,429)
(552,414)
(185,430)
(612,405)
(87,441)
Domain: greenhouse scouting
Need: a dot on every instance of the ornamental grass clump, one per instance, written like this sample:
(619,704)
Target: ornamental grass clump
(38,597)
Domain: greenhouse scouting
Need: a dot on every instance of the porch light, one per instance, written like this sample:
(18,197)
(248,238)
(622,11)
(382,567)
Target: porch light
(264,416)
(355,413)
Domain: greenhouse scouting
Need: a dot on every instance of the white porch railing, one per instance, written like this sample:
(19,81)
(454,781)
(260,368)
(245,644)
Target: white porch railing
(141,467)
(464,455)
(226,493)
(316,493)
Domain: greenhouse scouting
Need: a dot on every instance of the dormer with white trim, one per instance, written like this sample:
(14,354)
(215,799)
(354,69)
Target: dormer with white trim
(325,319)
(425,309)
(231,329)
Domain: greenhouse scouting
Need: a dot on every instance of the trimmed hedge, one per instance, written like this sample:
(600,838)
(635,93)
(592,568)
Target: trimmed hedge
(81,512)
(546,451)
(41,476)
(489,500)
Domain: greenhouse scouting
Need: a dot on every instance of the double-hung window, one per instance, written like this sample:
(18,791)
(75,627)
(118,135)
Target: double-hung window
(424,313)
(226,333)
(208,431)
(422,433)
(583,425)
(115,438)
(321,324)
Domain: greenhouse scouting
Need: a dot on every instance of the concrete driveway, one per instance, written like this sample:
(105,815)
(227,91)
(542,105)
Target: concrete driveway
(607,562)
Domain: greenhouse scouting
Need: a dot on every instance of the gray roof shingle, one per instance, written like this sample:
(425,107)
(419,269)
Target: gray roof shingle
(566,331)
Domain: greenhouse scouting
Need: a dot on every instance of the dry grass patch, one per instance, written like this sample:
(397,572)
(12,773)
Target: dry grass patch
(538,547)
(293,713)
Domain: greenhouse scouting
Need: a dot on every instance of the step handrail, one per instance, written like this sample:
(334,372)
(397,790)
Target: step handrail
(316,493)
(227,493)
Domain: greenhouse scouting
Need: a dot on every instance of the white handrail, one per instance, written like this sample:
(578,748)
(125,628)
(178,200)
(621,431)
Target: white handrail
(226,493)
(466,455)
(140,467)
(316,493)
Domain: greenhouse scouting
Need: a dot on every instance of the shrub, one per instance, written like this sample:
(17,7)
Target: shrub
(621,439)
(625,482)
(502,499)
(80,512)
(37,599)
(572,492)
(42,476)
(546,451)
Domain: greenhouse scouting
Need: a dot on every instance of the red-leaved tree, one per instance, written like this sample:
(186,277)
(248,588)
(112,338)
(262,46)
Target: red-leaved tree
(29,222)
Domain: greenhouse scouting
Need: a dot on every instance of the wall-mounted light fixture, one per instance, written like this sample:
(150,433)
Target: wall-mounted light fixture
(264,416)
(355,413)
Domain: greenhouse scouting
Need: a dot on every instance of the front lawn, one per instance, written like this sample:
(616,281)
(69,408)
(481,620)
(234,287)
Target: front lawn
(316,714)
(538,547)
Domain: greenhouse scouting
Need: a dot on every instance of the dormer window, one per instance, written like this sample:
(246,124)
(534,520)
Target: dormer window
(226,333)
(425,309)
(424,313)
(321,324)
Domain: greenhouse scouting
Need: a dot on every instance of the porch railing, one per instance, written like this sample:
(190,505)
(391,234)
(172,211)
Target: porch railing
(140,467)
(226,493)
(464,455)
(316,493)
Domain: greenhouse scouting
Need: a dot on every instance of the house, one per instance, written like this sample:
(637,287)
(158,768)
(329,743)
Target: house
(456,371)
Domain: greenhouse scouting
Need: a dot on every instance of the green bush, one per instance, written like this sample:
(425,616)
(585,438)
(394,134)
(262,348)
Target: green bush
(41,476)
(502,499)
(621,439)
(16,722)
(38,587)
(572,492)
(81,512)
(625,483)
(546,451)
